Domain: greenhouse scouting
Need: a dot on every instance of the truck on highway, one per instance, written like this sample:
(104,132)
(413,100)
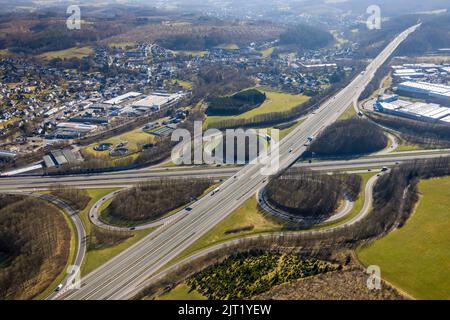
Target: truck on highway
(215,191)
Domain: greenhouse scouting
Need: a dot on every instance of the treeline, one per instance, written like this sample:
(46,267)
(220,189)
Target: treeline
(76,198)
(34,246)
(36,33)
(372,42)
(236,104)
(349,137)
(375,83)
(151,200)
(306,37)
(217,80)
(245,275)
(414,131)
(102,238)
(193,41)
(429,37)
(311,194)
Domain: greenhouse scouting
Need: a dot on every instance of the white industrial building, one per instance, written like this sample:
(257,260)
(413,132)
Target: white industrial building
(425,90)
(429,112)
(123,98)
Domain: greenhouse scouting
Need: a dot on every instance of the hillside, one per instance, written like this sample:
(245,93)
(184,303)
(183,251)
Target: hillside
(306,37)
(236,104)
(34,247)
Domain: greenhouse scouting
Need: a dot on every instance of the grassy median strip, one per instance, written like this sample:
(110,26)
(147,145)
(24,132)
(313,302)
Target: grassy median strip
(96,257)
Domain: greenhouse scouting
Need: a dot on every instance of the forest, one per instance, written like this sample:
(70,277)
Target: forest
(247,274)
(429,37)
(212,81)
(349,137)
(415,131)
(236,104)
(307,193)
(306,37)
(34,246)
(76,198)
(151,200)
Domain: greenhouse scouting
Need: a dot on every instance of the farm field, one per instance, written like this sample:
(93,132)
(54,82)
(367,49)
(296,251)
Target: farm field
(275,102)
(267,52)
(414,257)
(68,53)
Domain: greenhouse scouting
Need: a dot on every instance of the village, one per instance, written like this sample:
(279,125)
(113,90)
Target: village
(61,100)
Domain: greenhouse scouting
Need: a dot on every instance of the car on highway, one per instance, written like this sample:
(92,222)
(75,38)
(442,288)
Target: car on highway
(188,209)
(215,191)
(59,287)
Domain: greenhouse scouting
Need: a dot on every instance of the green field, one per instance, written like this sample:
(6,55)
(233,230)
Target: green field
(4,52)
(275,102)
(68,53)
(135,139)
(267,52)
(348,114)
(416,258)
(228,46)
(121,45)
(181,292)
(189,53)
(183,83)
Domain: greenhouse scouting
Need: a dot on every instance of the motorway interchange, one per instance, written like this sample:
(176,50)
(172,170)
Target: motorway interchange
(126,274)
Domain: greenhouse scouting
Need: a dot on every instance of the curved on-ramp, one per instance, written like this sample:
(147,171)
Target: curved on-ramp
(94,216)
(365,210)
(266,206)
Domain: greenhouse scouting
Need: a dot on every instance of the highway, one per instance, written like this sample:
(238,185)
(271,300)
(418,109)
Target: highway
(121,277)
(130,178)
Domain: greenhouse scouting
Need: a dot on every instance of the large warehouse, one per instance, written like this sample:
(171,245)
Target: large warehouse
(429,112)
(426,90)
